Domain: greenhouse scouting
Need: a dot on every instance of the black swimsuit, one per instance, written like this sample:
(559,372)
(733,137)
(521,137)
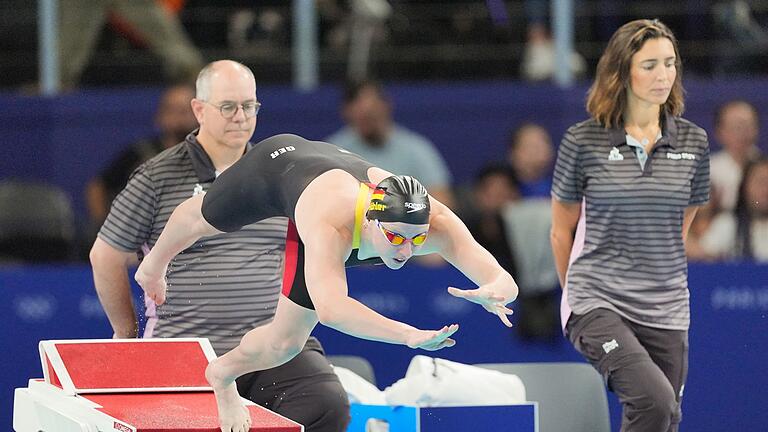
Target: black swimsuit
(269,179)
(268,182)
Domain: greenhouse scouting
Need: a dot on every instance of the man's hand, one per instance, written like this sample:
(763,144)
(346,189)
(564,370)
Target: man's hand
(152,280)
(432,340)
(492,302)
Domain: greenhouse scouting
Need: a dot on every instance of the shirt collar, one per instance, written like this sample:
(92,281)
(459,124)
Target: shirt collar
(201,162)
(668,132)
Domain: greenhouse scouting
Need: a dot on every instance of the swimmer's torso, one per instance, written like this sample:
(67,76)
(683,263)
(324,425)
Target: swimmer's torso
(271,177)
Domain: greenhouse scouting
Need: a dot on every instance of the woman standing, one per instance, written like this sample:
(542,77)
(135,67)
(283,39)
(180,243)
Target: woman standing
(626,188)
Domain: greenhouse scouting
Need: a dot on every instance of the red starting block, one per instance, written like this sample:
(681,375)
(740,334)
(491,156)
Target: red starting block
(128,385)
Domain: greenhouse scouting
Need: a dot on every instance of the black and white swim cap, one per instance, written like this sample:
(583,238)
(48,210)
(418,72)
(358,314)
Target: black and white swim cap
(400,198)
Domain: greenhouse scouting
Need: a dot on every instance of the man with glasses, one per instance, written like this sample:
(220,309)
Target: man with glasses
(223,285)
(342,211)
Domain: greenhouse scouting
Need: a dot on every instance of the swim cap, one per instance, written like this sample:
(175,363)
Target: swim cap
(399,199)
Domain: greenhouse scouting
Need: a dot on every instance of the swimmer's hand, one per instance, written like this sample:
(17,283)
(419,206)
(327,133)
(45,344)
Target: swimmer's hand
(488,299)
(151,278)
(432,340)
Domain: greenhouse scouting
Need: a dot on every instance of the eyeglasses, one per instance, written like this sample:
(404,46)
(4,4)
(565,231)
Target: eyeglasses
(229,109)
(397,239)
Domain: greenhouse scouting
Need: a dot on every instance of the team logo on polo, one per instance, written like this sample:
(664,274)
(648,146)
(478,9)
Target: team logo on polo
(414,207)
(678,156)
(615,155)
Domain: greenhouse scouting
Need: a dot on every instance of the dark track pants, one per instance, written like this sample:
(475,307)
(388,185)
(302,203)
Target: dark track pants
(645,366)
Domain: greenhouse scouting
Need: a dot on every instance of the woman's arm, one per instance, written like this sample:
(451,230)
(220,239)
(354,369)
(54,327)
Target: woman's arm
(565,217)
(452,240)
(325,252)
(688,217)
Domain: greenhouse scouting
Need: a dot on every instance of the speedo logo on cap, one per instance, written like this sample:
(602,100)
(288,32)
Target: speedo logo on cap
(414,207)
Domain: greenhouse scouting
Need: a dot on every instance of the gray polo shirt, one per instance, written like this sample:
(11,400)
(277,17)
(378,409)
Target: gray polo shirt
(628,253)
(220,287)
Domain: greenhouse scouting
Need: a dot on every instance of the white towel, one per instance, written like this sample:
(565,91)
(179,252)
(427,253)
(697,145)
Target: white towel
(359,390)
(434,382)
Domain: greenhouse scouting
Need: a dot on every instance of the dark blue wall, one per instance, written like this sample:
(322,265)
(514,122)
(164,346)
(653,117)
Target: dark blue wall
(728,339)
(68,139)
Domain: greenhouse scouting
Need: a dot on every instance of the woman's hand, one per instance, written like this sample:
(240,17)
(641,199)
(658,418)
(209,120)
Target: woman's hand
(488,299)
(432,340)
(151,278)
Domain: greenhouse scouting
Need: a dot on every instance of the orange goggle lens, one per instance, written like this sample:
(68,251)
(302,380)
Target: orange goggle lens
(398,239)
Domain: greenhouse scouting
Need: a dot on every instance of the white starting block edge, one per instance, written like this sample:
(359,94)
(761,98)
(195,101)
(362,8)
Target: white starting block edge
(50,355)
(43,407)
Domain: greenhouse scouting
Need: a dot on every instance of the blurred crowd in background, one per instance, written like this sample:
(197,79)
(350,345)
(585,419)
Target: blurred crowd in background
(165,42)
(124,42)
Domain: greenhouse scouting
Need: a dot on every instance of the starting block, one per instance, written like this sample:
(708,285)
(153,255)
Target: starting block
(127,385)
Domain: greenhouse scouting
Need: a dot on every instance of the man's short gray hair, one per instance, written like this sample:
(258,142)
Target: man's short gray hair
(203,83)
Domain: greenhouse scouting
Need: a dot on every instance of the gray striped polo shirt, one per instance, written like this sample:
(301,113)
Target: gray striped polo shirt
(220,287)
(628,253)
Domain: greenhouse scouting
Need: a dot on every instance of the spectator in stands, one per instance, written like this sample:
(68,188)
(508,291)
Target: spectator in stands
(516,231)
(743,233)
(372,133)
(224,285)
(528,223)
(744,40)
(494,188)
(736,129)
(538,62)
(174,120)
(531,155)
(145,21)
(694,249)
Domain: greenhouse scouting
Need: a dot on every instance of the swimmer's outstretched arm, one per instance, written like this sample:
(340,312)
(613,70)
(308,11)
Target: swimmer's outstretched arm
(450,238)
(325,252)
(184,227)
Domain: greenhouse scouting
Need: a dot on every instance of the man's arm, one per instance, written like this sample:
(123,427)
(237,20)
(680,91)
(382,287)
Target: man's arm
(184,227)
(565,217)
(325,275)
(110,276)
(452,240)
